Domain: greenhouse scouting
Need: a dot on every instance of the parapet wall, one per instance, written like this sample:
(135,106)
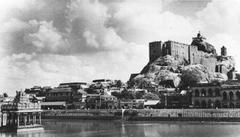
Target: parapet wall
(217,113)
(176,49)
(147,114)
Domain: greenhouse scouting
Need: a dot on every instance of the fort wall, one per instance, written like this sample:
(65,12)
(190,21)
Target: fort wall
(200,57)
(176,49)
(194,55)
(155,50)
(209,62)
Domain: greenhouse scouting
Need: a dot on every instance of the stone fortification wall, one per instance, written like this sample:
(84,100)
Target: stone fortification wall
(210,62)
(155,50)
(189,53)
(195,55)
(176,49)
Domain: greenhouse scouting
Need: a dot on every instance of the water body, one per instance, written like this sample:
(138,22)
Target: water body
(81,128)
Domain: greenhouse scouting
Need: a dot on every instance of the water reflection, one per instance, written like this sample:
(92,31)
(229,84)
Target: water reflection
(78,128)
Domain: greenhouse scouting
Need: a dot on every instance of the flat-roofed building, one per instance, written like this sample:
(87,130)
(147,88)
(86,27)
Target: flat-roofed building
(230,94)
(216,95)
(67,92)
(206,95)
(96,101)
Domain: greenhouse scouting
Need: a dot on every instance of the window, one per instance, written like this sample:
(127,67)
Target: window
(203,104)
(224,96)
(217,92)
(196,93)
(209,105)
(217,104)
(238,95)
(203,93)
(196,103)
(231,95)
(210,93)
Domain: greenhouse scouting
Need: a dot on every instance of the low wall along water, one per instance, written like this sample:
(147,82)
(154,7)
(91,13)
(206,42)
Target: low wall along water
(148,114)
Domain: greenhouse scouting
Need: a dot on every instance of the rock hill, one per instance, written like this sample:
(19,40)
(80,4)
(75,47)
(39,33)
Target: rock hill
(170,72)
(174,64)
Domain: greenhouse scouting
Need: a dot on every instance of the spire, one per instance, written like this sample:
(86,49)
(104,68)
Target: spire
(223,51)
(199,37)
(199,34)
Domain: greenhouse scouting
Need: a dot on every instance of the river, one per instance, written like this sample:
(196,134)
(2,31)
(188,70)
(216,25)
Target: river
(85,128)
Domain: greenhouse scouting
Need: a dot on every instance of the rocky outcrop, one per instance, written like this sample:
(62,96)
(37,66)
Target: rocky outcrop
(195,74)
(219,77)
(204,46)
(177,70)
(170,72)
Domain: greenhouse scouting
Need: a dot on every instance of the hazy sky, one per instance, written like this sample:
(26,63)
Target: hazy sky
(45,42)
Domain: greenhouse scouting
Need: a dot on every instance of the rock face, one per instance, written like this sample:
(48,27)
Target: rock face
(204,46)
(174,64)
(195,74)
(169,72)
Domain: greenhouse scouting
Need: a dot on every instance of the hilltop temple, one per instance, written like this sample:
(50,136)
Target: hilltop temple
(198,52)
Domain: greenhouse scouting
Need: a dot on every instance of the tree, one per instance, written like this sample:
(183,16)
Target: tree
(127,94)
(238,76)
(139,95)
(151,96)
(118,83)
(117,94)
(27,91)
(5,95)
(91,91)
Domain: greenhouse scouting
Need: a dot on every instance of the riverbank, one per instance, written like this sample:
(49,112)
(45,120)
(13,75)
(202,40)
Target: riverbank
(224,115)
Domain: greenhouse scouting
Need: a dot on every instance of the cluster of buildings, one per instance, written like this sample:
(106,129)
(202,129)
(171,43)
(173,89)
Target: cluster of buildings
(79,95)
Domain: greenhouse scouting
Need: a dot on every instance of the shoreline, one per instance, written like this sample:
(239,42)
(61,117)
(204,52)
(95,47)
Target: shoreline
(188,115)
(171,119)
(147,122)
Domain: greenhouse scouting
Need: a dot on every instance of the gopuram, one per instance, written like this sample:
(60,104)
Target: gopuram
(21,114)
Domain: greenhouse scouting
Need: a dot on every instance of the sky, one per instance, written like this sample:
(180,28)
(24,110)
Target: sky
(46,42)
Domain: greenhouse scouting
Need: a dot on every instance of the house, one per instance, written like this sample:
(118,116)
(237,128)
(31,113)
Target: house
(71,93)
(96,101)
(216,95)
(151,103)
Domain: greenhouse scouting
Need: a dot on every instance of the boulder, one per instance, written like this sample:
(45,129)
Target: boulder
(193,74)
(219,77)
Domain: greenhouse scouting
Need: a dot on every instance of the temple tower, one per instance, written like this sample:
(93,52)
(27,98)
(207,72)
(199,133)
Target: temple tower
(223,51)
(21,114)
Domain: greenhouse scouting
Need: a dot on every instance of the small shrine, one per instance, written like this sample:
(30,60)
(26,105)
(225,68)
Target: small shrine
(21,114)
